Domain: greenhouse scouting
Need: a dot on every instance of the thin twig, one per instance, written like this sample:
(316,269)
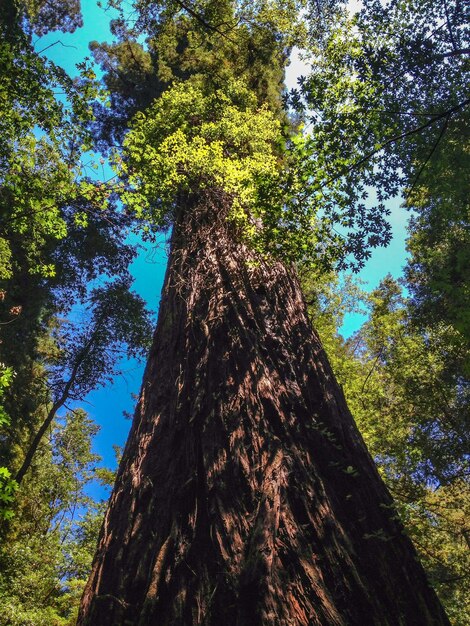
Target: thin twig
(394,139)
(54,44)
(421,169)
(449,26)
(197,16)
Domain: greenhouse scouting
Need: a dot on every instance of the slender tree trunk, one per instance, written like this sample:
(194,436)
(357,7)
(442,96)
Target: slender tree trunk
(245,496)
(56,406)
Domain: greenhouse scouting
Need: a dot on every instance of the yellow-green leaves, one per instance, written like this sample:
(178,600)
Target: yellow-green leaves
(8,485)
(195,137)
(190,140)
(5,259)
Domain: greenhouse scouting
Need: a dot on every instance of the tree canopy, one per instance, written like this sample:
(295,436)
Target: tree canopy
(195,100)
(67,315)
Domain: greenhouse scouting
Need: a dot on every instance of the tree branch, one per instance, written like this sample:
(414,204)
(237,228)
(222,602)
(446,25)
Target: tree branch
(449,26)
(198,17)
(394,139)
(457,52)
(54,44)
(58,404)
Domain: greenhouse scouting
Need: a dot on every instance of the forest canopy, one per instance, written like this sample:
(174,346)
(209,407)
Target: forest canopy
(191,98)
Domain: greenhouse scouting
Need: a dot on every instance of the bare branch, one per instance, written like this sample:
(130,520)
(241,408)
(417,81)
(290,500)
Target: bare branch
(54,44)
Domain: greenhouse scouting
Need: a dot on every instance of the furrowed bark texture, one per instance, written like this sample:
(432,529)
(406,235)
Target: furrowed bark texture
(245,496)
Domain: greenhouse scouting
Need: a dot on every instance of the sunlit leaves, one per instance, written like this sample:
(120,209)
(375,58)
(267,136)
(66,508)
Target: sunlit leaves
(191,139)
(8,485)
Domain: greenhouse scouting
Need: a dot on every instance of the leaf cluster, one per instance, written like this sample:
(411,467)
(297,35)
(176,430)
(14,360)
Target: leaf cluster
(51,539)
(407,389)
(192,139)
(388,86)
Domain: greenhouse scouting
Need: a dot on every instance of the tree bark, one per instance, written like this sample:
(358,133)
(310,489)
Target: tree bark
(245,495)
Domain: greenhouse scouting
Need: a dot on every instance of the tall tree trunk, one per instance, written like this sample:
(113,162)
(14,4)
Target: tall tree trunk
(245,495)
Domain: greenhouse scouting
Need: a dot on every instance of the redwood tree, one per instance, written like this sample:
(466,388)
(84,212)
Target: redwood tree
(245,495)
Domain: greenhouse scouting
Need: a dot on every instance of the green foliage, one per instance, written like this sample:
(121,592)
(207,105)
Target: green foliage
(191,139)
(47,15)
(387,88)
(431,397)
(33,187)
(385,84)
(47,552)
(438,272)
(6,376)
(405,388)
(8,485)
(41,143)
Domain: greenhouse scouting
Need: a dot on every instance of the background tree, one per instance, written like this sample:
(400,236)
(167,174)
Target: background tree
(45,562)
(403,384)
(66,313)
(425,463)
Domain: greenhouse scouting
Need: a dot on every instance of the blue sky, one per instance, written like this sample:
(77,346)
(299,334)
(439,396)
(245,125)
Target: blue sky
(107,405)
